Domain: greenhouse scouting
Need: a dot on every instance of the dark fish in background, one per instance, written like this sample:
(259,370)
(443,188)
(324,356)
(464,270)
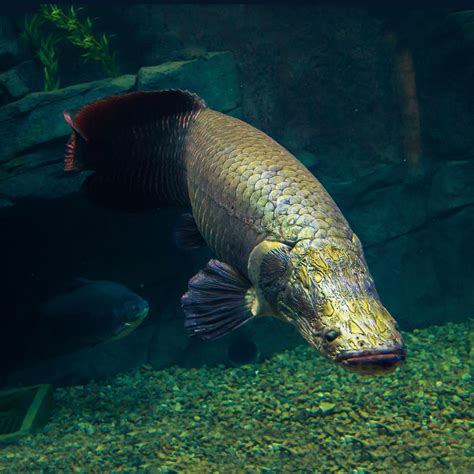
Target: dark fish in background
(284,248)
(91,313)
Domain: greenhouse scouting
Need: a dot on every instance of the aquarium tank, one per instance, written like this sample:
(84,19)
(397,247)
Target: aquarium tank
(236,237)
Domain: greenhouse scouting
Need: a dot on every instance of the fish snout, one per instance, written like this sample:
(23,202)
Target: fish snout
(378,361)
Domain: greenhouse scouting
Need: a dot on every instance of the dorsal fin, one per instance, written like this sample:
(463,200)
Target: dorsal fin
(134,143)
(105,117)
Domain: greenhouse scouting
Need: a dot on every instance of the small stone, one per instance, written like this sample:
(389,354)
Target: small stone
(86,427)
(326,407)
(21,79)
(466,377)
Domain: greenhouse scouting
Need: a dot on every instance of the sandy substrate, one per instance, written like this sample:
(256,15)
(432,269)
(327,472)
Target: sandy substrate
(293,413)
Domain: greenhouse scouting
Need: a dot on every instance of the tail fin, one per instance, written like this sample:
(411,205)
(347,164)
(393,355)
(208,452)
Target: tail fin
(134,143)
(76,147)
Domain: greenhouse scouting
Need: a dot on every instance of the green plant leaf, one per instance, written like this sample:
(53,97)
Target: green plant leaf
(54,23)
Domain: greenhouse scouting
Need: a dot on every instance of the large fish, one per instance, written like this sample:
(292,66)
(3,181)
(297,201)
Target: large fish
(283,247)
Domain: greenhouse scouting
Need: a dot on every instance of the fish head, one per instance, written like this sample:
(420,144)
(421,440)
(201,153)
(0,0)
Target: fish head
(328,294)
(128,315)
(114,310)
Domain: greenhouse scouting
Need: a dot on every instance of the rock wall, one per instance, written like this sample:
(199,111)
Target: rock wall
(33,131)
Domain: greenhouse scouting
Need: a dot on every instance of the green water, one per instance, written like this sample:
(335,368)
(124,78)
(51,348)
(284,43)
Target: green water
(377,103)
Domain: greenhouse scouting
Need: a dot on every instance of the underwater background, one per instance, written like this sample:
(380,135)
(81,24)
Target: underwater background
(378,103)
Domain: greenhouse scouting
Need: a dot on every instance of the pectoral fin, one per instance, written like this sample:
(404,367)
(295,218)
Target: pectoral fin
(219,299)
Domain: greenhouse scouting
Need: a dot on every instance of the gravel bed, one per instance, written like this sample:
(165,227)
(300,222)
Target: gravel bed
(295,412)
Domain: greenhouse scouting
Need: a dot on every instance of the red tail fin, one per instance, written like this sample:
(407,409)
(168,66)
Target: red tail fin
(76,142)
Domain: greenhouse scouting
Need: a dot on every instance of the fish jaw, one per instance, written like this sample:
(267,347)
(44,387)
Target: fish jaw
(129,327)
(372,362)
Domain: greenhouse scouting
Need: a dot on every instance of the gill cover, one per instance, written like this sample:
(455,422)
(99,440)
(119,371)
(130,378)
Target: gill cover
(269,267)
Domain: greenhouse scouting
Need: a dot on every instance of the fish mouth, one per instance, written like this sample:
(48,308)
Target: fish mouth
(379,361)
(142,314)
(129,327)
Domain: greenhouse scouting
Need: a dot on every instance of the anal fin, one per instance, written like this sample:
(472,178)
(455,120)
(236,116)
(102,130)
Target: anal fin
(219,299)
(186,233)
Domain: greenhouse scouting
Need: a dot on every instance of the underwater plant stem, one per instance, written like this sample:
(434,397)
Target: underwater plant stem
(46,50)
(81,34)
(78,32)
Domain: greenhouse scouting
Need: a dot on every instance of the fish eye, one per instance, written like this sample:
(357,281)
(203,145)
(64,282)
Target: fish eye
(331,335)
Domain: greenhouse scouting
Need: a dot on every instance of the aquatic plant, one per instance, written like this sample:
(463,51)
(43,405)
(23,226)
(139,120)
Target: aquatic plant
(52,25)
(46,49)
(81,34)
(48,57)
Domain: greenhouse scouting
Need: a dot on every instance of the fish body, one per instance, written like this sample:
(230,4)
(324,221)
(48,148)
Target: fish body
(91,313)
(283,247)
(245,188)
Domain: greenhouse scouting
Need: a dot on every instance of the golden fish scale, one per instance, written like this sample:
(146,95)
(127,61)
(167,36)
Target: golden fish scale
(245,187)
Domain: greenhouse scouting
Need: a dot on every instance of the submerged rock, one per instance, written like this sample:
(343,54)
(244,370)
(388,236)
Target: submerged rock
(386,212)
(213,77)
(21,80)
(38,174)
(452,186)
(9,44)
(407,280)
(453,260)
(38,118)
(33,131)
(33,134)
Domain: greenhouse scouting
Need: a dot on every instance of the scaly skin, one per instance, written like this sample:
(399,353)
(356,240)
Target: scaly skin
(249,195)
(244,187)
